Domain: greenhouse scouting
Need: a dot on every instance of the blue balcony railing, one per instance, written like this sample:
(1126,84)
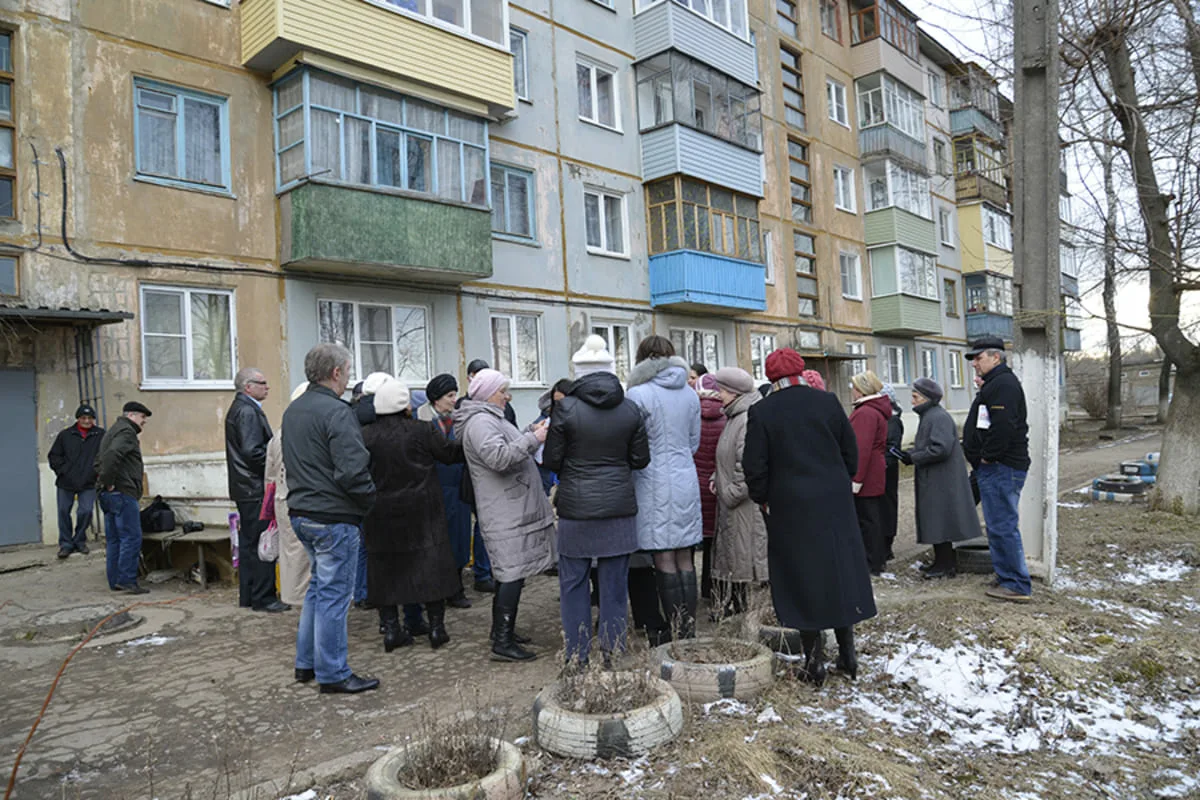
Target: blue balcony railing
(989,325)
(688,279)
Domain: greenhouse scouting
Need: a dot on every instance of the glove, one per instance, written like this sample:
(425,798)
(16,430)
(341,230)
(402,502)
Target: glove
(905,457)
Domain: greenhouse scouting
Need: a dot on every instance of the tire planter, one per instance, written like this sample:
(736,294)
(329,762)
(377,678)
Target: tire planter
(622,735)
(506,782)
(973,557)
(1120,484)
(780,639)
(702,683)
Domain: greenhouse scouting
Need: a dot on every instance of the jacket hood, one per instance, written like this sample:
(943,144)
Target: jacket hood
(670,373)
(878,402)
(710,407)
(742,404)
(471,408)
(598,389)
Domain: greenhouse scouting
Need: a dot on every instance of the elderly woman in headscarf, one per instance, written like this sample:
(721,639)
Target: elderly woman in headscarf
(891,483)
(294,567)
(712,422)
(945,508)
(870,421)
(514,514)
(740,547)
(799,460)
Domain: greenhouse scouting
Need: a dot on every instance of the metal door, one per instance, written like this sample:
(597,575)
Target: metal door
(20,509)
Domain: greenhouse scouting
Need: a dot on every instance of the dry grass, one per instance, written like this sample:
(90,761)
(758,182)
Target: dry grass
(452,751)
(594,690)
(716,650)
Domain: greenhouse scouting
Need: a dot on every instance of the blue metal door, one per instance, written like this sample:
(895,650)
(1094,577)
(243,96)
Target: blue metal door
(20,509)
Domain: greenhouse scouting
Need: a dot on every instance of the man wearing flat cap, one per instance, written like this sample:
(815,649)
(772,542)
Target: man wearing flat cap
(119,481)
(996,443)
(73,460)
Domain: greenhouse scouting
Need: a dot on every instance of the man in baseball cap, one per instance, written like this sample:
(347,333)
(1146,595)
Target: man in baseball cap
(72,458)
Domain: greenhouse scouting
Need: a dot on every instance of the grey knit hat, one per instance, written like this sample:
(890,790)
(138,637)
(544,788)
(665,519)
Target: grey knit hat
(928,388)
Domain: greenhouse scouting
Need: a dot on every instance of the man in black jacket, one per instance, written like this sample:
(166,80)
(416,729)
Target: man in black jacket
(247,434)
(119,481)
(73,459)
(330,492)
(996,443)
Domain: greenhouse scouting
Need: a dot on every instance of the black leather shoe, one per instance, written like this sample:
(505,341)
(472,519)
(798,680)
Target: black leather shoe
(459,600)
(131,588)
(420,629)
(274,607)
(352,685)
(82,548)
(63,552)
(304,675)
(487,586)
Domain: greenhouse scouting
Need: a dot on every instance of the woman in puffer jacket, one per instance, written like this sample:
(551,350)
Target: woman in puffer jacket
(712,422)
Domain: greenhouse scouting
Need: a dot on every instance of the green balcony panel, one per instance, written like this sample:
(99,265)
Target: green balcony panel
(356,231)
(905,315)
(896,226)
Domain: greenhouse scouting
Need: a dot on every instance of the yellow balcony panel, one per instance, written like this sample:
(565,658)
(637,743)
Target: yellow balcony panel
(373,34)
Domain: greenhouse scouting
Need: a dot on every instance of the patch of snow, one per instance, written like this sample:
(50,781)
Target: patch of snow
(1073,505)
(307,794)
(768,714)
(1140,616)
(728,706)
(151,640)
(1144,572)
(521,741)
(771,783)
(636,771)
(1184,786)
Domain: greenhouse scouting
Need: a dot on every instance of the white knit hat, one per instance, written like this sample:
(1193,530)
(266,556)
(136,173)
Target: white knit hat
(593,357)
(374,381)
(391,397)
(300,389)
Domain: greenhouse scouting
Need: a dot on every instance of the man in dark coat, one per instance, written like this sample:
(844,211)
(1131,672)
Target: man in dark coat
(247,434)
(996,442)
(119,481)
(799,459)
(73,460)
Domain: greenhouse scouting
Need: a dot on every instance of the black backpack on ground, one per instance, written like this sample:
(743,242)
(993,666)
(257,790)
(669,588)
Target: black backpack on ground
(158,517)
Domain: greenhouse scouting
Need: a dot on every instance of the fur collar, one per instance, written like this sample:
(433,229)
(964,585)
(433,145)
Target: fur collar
(648,369)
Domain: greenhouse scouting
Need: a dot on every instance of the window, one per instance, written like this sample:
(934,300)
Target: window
(769,256)
(941,157)
(993,295)
(362,134)
(945,227)
(950,297)
(889,184)
(619,344)
(188,337)
(687,214)
(604,216)
(1066,260)
(870,20)
(807,340)
(8,131)
(605,3)
(675,88)
(884,100)
(835,96)
(929,363)
(10,274)
(518,43)
(181,135)
(482,18)
(894,371)
(1064,208)
(843,189)
(517,347)
(793,89)
(918,273)
(851,267)
(937,89)
(805,249)
(512,201)
(698,346)
(857,365)
(831,19)
(977,156)
(954,359)
(761,346)
(382,338)
(801,186)
(786,18)
(598,94)
(997,228)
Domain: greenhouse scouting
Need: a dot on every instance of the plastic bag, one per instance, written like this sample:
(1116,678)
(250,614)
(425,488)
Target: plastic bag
(268,543)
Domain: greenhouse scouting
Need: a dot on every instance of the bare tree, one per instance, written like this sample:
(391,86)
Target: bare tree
(1112,420)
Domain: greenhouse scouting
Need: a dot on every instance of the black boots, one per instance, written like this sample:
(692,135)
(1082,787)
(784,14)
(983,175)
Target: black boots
(437,624)
(814,656)
(394,634)
(691,598)
(504,622)
(670,595)
(944,564)
(644,603)
(847,661)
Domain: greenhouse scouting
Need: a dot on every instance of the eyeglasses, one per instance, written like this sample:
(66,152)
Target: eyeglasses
(260,383)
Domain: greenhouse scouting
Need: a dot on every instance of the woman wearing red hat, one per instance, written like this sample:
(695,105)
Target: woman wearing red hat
(800,456)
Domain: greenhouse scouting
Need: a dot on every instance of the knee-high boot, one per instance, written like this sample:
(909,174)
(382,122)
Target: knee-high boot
(687,584)
(670,594)
(814,656)
(504,622)
(394,634)
(847,658)
(437,624)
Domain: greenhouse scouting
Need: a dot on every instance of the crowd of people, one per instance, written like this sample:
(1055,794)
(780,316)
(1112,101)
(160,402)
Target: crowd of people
(385,500)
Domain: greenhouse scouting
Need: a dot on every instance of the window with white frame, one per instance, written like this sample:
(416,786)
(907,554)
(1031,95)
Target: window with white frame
(895,369)
(889,184)
(482,18)
(857,365)
(598,94)
(843,189)
(851,267)
(917,273)
(1066,260)
(518,43)
(620,344)
(835,98)
(997,228)
(954,360)
(929,361)
(383,338)
(941,157)
(512,201)
(946,227)
(604,218)
(884,100)
(1064,208)
(188,337)
(937,89)
(605,3)
(698,346)
(181,135)
(761,346)
(517,347)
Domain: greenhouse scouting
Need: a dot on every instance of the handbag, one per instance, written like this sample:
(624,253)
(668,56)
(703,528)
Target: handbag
(268,543)
(267,512)
(158,517)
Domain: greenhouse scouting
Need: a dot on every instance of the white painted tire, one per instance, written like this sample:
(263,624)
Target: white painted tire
(781,640)
(623,735)
(506,782)
(704,683)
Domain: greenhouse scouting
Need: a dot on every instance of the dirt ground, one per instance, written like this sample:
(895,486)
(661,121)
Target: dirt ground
(1092,690)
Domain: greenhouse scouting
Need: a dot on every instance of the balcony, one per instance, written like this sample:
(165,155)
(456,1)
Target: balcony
(970,120)
(678,149)
(344,230)
(688,280)
(889,141)
(985,324)
(1070,285)
(1071,340)
(466,68)
(975,186)
(905,315)
(670,25)
(895,225)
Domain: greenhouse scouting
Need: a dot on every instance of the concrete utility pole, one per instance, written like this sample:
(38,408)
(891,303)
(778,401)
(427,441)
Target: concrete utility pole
(1036,270)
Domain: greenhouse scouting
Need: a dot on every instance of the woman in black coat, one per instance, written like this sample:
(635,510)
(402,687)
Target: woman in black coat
(408,550)
(799,458)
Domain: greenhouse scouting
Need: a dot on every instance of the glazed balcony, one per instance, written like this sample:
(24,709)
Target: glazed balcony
(689,280)
(661,25)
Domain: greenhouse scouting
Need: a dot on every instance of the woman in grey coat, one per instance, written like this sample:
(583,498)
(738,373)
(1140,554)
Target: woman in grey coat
(669,520)
(514,515)
(944,504)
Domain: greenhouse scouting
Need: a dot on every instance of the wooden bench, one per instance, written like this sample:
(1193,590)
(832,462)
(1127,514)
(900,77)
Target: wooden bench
(207,537)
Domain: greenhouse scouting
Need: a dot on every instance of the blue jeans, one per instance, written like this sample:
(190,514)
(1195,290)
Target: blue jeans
(71,538)
(321,640)
(360,574)
(122,537)
(576,603)
(1000,494)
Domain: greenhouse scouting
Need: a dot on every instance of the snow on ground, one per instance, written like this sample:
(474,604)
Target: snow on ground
(1142,572)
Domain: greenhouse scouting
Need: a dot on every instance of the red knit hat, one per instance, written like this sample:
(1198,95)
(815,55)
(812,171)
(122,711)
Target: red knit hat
(784,363)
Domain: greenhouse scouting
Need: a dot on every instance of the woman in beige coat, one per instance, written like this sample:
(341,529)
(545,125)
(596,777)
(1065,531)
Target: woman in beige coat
(740,545)
(294,569)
